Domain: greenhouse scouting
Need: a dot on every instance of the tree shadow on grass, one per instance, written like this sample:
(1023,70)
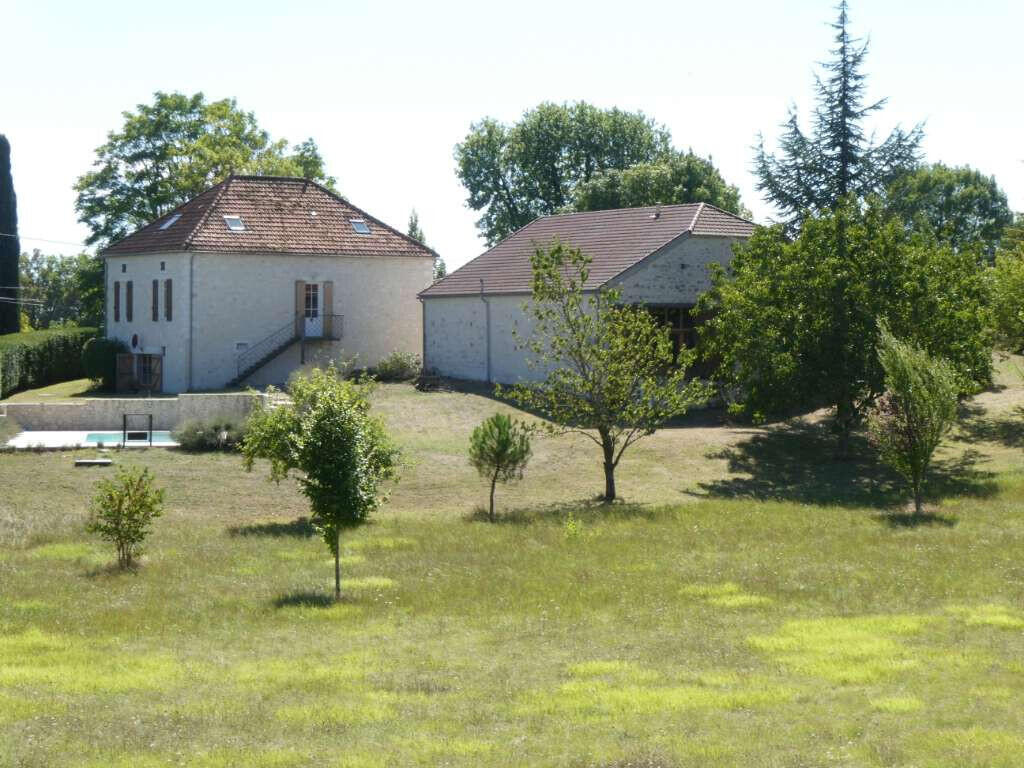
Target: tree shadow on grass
(309,599)
(911,520)
(1005,429)
(300,527)
(795,461)
(584,510)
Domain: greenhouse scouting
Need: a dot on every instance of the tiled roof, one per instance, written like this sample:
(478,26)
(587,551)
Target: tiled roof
(281,215)
(615,240)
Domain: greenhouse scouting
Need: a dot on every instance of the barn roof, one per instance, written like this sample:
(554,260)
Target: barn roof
(278,215)
(614,239)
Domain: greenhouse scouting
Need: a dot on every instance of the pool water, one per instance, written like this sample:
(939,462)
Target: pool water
(160,437)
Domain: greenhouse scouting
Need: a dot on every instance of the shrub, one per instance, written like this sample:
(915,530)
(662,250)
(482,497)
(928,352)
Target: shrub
(499,449)
(398,366)
(917,409)
(1007,279)
(123,510)
(99,360)
(203,436)
(36,358)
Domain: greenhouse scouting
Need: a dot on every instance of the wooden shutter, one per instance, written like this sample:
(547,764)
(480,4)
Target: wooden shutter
(328,309)
(300,306)
(128,301)
(168,301)
(117,301)
(156,301)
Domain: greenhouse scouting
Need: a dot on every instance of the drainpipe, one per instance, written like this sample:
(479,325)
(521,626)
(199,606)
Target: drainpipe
(487,315)
(191,262)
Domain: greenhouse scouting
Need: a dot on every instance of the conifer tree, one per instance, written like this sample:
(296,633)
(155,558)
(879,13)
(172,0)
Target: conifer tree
(814,173)
(10,321)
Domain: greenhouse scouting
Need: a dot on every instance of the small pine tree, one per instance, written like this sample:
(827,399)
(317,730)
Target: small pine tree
(499,449)
(918,408)
(123,511)
(440,270)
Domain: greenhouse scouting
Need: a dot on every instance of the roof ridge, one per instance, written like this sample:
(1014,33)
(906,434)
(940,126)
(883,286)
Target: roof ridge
(607,210)
(201,222)
(696,217)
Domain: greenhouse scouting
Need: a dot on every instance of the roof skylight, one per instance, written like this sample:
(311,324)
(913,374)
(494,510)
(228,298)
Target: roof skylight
(170,221)
(360,226)
(234,223)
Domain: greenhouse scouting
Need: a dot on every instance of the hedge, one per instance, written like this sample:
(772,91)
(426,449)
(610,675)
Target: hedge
(36,358)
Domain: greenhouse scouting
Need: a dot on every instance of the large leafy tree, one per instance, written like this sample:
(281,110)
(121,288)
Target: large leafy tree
(961,206)
(794,323)
(62,289)
(171,150)
(10,320)
(815,172)
(342,453)
(515,173)
(678,178)
(611,375)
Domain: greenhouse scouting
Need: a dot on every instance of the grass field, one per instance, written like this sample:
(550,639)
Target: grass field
(751,603)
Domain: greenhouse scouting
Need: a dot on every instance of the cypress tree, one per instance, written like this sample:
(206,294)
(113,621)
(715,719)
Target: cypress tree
(814,173)
(10,322)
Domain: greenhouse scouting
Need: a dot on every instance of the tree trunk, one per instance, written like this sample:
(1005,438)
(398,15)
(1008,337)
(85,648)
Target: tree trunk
(494,482)
(844,425)
(337,565)
(609,466)
(918,496)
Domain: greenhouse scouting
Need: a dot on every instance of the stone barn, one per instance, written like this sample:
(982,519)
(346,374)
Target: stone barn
(658,257)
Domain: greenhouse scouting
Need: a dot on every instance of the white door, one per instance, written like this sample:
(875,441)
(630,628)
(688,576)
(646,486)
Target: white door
(314,318)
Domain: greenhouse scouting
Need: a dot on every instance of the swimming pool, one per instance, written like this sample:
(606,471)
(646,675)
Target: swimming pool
(160,437)
(74,439)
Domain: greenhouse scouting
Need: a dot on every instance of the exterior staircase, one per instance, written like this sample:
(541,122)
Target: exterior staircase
(261,353)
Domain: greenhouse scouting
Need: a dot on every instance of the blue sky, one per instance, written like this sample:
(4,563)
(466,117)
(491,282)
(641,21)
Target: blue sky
(387,89)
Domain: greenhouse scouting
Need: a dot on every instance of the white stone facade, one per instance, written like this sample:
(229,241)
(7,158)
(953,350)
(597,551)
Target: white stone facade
(455,338)
(221,301)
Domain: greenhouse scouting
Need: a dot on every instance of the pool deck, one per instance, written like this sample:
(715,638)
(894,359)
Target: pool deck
(76,439)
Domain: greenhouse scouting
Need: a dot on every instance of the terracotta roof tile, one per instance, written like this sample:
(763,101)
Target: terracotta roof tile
(281,215)
(614,239)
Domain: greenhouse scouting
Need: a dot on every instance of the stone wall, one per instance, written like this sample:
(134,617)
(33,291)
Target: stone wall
(106,413)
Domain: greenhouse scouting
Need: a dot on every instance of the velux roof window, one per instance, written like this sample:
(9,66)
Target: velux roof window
(234,223)
(170,221)
(360,226)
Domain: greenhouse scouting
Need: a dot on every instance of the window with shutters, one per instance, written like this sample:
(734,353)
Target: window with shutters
(168,301)
(156,301)
(117,301)
(128,302)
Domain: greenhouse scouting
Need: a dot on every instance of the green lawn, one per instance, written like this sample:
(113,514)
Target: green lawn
(752,603)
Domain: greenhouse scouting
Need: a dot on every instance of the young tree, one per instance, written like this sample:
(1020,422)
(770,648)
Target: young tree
(440,270)
(171,150)
(908,422)
(1007,279)
(815,173)
(679,178)
(123,511)
(342,453)
(612,374)
(794,323)
(499,449)
(962,206)
(10,318)
(514,174)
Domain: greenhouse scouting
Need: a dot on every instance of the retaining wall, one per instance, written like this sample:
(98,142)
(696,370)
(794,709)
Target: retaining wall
(106,413)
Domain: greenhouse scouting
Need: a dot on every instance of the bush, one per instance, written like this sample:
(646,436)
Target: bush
(919,406)
(210,435)
(1008,298)
(123,510)
(37,358)
(99,360)
(398,366)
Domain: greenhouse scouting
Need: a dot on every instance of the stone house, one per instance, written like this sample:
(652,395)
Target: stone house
(657,256)
(254,278)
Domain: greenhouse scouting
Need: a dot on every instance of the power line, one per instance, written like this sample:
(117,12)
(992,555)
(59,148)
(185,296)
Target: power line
(45,240)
